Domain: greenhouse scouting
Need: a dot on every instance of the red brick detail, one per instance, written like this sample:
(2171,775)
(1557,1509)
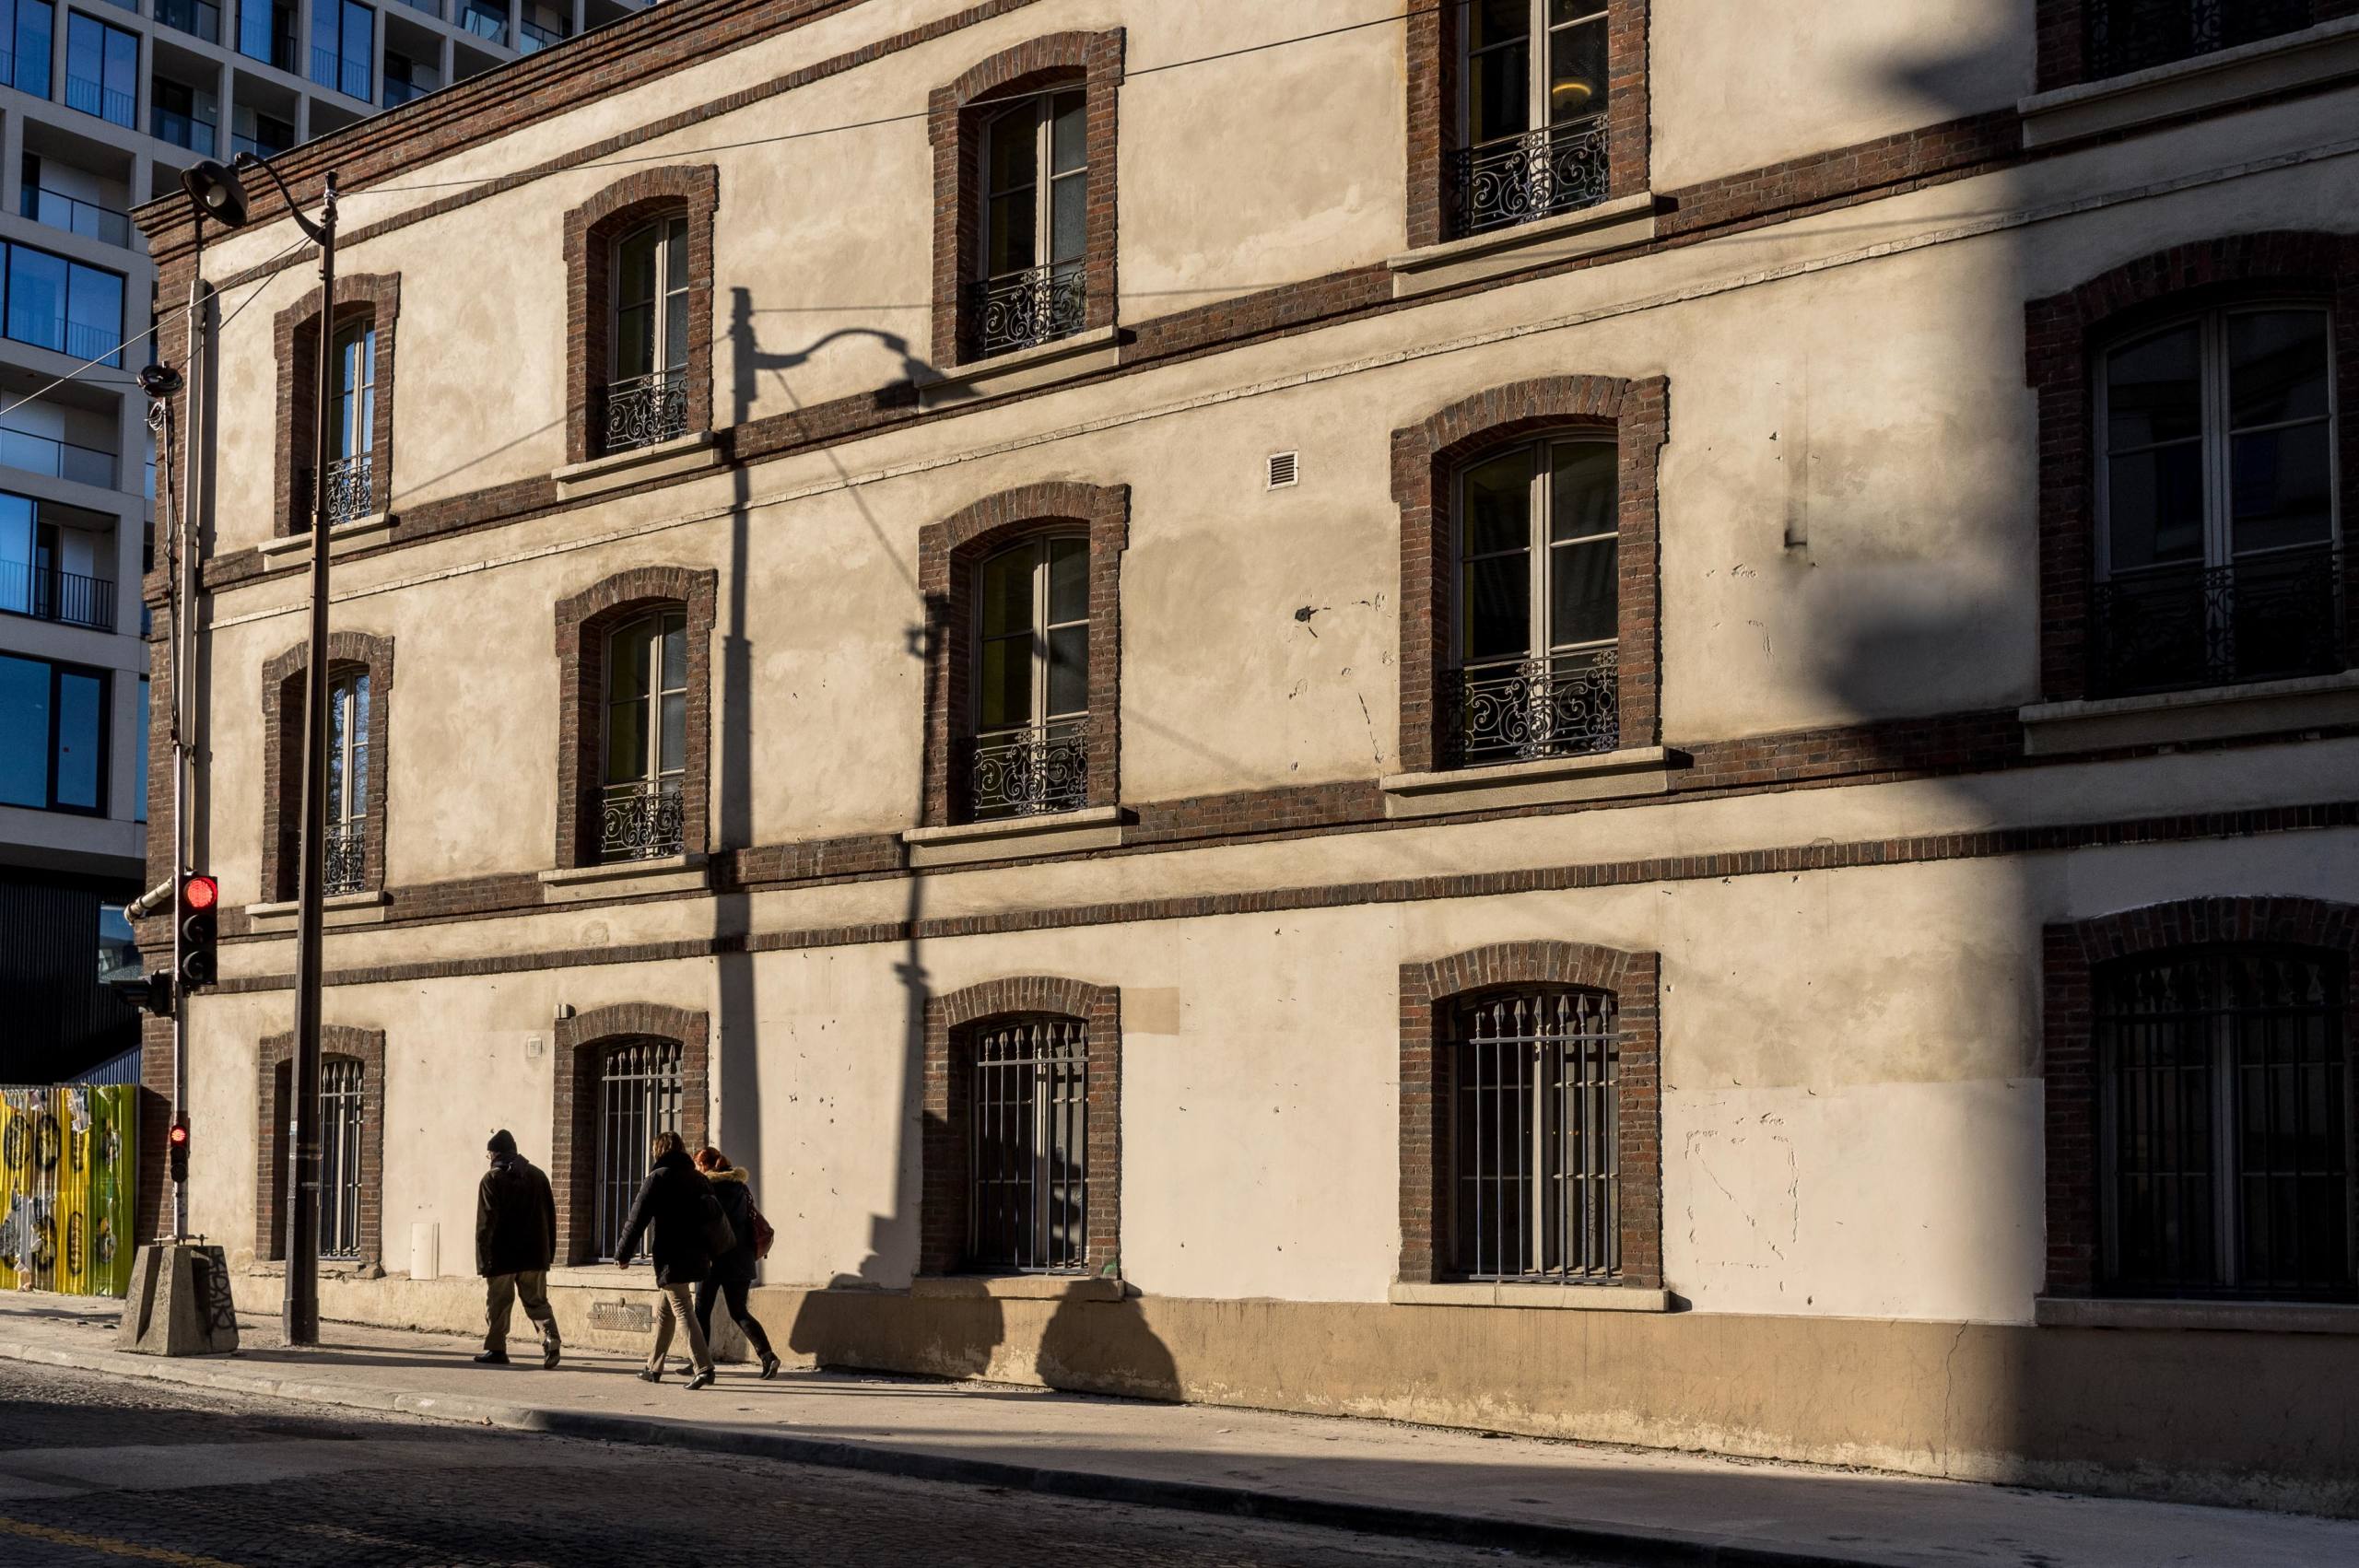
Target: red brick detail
(583,1044)
(282,757)
(2069,956)
(953,124)
(592,229)
(949,554)
(582,623)
(1425,458)
(274,1110)
(2062,28)
(2062,335)
(950,1023)
(1426,992)
(1436,46)
(296,336)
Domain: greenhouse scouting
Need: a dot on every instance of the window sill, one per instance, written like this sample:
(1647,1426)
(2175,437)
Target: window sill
(664,459)
(360,533)
(2236,1317)
(1022,369)
(666,873)
(337,910)
(1561,1298)
(330,1269)
(1056,832)
(1016,1287)
(2300,59)
(1624,220)
(2206,713)
(639,1276)
(1592,776)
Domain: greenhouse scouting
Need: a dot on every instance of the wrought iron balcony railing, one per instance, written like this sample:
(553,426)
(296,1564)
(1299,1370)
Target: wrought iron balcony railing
(350,488)
(1029,772)
(1519,179)
(639,821)
(645,410)
(2264,617)
(28,590)
(347,854)
(2133,35)
(1019,309)
(1520,708)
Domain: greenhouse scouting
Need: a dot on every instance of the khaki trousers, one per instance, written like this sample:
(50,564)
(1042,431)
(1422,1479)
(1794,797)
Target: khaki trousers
(678,1303)
(500,1292)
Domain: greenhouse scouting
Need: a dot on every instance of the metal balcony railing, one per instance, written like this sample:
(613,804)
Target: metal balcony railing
(639,821)
(197,16)
(96,98)
(1029,772)
(489,25)
(76,216)
(1516,710)
(181,131)
(645,410)
(2263,617)
(1019,309)
(66,597)
(1520,179)
(346,852)
(58,460)
(2134,35)
(398,91)
(350,488)
(534,38)
(257,145)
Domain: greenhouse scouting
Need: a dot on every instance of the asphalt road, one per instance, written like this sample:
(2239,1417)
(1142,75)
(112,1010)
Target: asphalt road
(102,1470)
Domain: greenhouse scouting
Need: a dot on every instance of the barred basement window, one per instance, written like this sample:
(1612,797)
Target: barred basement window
(1030,749)
(347,834)
(2223,1124)
(638,1096)
(647,400)
(1030,287)
(1538,552)
(340,1119)
(1028,1205)
(646,737)
(1533,1163)
(2134,35)
(1534,141)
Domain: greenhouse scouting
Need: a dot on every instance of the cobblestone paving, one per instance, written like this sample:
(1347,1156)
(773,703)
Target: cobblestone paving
(100,1471)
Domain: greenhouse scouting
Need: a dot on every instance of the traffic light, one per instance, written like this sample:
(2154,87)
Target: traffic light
(179,1145)
(200,923)
(153,992)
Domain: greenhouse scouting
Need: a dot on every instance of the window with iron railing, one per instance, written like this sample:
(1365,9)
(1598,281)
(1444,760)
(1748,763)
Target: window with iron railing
(405,79)
(1532,140)
(1028,752)
(351,465)
(638,1095)
(267,32)
(201,19)
(182,115)
(27,29)
(101,69)
(72,214)
(342,1079)
(344,35)
(1028,1139)
(646,401)
(2219,544)
(489,22)
(2134,35)
(646,719)
(63,306)
(37,454)
(1538,603)
(1032,285)
(262,135)
(346,844)
(539,27)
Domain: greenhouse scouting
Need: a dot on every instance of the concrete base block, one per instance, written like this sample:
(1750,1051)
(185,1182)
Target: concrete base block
(179,1303)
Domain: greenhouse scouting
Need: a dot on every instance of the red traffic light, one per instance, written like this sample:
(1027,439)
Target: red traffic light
(201,892)
(180,1134)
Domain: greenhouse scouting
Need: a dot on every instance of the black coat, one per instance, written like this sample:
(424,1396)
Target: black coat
(736,1264)
(515,1219)
(672,1202)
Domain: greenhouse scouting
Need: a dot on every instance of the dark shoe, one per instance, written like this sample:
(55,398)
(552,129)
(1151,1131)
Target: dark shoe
(492,1358)
(769,1368)
(646,1377)
(548,1355)
(701,1380)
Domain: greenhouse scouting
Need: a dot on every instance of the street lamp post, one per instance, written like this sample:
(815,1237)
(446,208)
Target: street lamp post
(218,194)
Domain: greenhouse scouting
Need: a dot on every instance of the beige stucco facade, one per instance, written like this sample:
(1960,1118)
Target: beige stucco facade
(1853,1118)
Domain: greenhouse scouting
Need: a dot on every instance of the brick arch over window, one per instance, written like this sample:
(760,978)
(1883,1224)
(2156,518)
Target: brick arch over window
(274,1066)
(2062,334)
(947,1088)
(582,623)
(1426,455)
(282,757)
(582,1042)
(296,336)
(1427,991)
(2070,953)
(692,190)
(948,552)
(1091,61)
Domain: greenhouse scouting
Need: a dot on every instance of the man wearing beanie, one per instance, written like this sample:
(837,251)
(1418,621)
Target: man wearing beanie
(515,1242)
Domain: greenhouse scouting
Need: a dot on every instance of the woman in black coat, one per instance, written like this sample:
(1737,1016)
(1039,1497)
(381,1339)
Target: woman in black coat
(674,1201)
(732,1272)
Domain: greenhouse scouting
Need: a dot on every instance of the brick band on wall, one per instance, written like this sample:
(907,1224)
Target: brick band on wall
(283,683)
(377,299)
(592,229)
(274,1110)
(583,1043)
(582,623)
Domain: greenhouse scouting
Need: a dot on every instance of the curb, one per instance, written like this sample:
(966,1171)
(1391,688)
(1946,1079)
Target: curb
(1626,1543)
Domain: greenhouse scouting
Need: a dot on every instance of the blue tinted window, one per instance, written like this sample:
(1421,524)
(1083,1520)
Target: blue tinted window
(81,741)
(29,27)
(94,315)
(24,731)
(36,297)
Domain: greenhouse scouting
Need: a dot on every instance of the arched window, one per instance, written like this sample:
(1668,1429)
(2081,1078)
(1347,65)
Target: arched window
(2217,525)
(351,456)
(1538,554)
(1532,99)
(2223,1124)
(1029,751)
(342,1088)
(1031,285)
(1531,1080)
(638,1096)
(647,394)
(347,834)
(1027,1205)
(645,715)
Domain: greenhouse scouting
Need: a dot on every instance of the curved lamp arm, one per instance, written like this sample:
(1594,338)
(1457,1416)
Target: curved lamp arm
(317,231)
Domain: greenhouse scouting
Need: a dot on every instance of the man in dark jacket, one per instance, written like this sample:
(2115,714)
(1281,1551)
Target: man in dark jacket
(515,1242)
(677,1201)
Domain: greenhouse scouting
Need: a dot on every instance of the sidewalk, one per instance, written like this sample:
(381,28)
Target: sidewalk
(1366,1475)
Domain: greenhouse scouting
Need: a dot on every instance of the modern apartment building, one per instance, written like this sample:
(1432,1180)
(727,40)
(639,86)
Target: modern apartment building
(1608,717)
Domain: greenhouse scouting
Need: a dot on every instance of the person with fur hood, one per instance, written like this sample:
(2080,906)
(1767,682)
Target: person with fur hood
(732,1273)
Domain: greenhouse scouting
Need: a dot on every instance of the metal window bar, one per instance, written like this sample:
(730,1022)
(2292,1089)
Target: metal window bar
(1029,772)
(646,409)
(1563,705)
(1022,309)
(2264,616)
(2132,35)
(638,1096)
(1519,179)
(340,1119)
(2222,1125)
(1535,1184)
(1028,1202)
(640,820)
(347,856)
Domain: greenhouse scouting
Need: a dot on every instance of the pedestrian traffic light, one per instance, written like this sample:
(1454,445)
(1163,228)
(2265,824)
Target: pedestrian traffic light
(178,1144)
(200,924)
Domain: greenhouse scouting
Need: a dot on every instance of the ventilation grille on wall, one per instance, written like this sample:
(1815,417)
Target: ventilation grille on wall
(1284,470)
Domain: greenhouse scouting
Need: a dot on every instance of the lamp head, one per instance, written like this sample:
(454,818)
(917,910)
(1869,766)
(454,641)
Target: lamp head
(215,189)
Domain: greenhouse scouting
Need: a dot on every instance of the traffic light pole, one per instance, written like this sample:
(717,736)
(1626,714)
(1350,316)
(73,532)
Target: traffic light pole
(183,705)
(301,1314)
